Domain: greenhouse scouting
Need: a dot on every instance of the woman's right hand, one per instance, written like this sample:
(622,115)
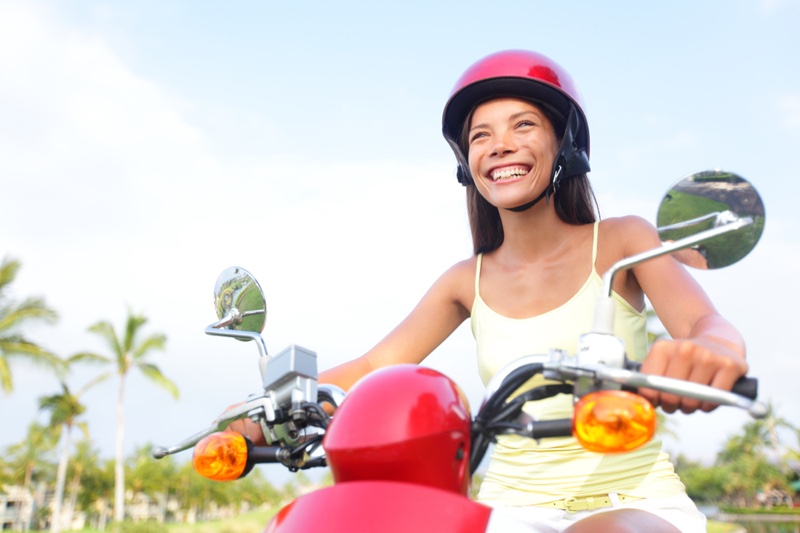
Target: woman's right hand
(248,428)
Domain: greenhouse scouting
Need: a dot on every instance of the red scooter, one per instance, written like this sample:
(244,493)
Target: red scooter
(402,446)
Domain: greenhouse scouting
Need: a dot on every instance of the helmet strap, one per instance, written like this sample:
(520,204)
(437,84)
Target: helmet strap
(524,207)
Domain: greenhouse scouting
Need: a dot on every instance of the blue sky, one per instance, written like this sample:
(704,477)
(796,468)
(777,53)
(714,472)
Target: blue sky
(146,146)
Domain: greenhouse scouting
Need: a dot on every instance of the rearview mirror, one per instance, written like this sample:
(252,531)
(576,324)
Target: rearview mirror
(239,301)
(707,200)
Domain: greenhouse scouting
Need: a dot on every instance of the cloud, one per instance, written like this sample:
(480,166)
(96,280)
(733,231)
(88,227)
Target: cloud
(81,130)
(771,7)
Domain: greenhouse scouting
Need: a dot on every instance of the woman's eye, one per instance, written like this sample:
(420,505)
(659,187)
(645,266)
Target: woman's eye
(477,136)
(525,123)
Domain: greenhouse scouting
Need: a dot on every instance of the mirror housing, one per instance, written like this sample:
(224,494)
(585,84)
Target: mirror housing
(707,200)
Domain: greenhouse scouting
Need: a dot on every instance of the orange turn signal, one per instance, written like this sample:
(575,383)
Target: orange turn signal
(221,456)
(610,421)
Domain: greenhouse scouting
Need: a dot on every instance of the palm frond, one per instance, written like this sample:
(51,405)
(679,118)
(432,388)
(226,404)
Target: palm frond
(132,325)
(19,346)
(6,383)
(88,357)
(106,331)
(8,271)
(157,341)
(153,373)
(15,315)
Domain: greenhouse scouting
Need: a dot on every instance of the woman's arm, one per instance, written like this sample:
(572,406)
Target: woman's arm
(440,311)
(705,348)
(435,317)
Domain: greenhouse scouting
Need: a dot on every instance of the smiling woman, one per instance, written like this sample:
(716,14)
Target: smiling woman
(557,108)
(521,140)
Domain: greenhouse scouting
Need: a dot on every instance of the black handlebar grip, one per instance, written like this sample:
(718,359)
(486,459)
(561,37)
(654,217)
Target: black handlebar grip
(744,386)
(747,387)
(542,429)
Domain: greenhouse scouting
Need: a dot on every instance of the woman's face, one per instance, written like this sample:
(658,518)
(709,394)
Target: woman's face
(512,148)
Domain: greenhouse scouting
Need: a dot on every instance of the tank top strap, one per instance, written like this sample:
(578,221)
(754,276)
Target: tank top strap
(478,274)
(594,245)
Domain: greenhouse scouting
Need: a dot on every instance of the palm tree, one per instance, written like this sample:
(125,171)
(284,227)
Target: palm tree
(97,486)
(156,479)
(127,352)
(83,464)
(25,460)
(772,423)
(64,409)
(14,315)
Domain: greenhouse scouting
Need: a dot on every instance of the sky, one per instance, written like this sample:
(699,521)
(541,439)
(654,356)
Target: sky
(145,147)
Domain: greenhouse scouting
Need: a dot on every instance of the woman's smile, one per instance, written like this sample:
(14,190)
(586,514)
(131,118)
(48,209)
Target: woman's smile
(508,173)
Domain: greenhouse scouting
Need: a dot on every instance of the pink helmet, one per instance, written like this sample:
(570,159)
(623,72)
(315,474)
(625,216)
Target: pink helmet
(402,423)
(533,77)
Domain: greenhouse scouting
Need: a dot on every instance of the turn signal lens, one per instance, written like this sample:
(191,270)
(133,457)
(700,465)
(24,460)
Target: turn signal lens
(610,421)
(221,456)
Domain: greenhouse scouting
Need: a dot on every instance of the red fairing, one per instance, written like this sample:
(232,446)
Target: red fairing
(402,423)
(388,507)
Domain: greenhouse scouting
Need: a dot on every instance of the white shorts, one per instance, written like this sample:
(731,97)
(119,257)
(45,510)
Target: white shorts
(680,511)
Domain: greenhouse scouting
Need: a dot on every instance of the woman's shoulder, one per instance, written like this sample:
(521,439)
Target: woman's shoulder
(627,223)
(621,237)
(459,281)
(631,232)
(464,269)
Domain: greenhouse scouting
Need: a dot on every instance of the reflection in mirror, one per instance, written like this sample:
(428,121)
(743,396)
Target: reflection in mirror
(707,200)
(239,301)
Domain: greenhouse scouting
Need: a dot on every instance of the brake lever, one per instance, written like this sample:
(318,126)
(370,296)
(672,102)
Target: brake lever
(249,408)
(621,376)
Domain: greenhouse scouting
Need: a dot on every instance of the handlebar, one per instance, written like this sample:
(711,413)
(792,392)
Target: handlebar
(284,456)
(501,415)
(744,386)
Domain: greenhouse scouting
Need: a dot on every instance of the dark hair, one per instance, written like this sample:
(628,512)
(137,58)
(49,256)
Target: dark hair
(574,201)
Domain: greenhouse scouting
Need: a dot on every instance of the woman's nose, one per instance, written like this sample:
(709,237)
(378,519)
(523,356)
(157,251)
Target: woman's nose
(504,144)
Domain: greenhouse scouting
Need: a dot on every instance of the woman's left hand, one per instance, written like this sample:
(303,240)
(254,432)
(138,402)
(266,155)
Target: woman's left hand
(703,360)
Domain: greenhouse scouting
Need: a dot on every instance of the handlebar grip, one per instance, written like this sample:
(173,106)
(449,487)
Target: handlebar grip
(744,386)
(541,429)
(747,387)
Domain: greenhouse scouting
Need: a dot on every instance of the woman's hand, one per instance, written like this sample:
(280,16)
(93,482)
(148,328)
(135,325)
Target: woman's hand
(248,428)
(705,360)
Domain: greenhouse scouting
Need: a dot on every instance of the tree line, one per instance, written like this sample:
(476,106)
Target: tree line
(127,350)
(155,491)
(754,469)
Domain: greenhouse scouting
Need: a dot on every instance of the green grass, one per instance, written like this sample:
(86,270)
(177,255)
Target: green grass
(762,511)
(722,527)
(253,522)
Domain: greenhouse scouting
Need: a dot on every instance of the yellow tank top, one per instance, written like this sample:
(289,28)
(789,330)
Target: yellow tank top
(524,472)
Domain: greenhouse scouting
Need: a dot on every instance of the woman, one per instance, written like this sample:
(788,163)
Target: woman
(520,137)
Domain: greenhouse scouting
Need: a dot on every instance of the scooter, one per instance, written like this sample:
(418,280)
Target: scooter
(402,446)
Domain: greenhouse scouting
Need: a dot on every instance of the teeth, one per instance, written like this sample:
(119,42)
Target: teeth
(508,173)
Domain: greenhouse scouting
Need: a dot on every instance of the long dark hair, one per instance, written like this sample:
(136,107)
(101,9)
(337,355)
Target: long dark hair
(574,201)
